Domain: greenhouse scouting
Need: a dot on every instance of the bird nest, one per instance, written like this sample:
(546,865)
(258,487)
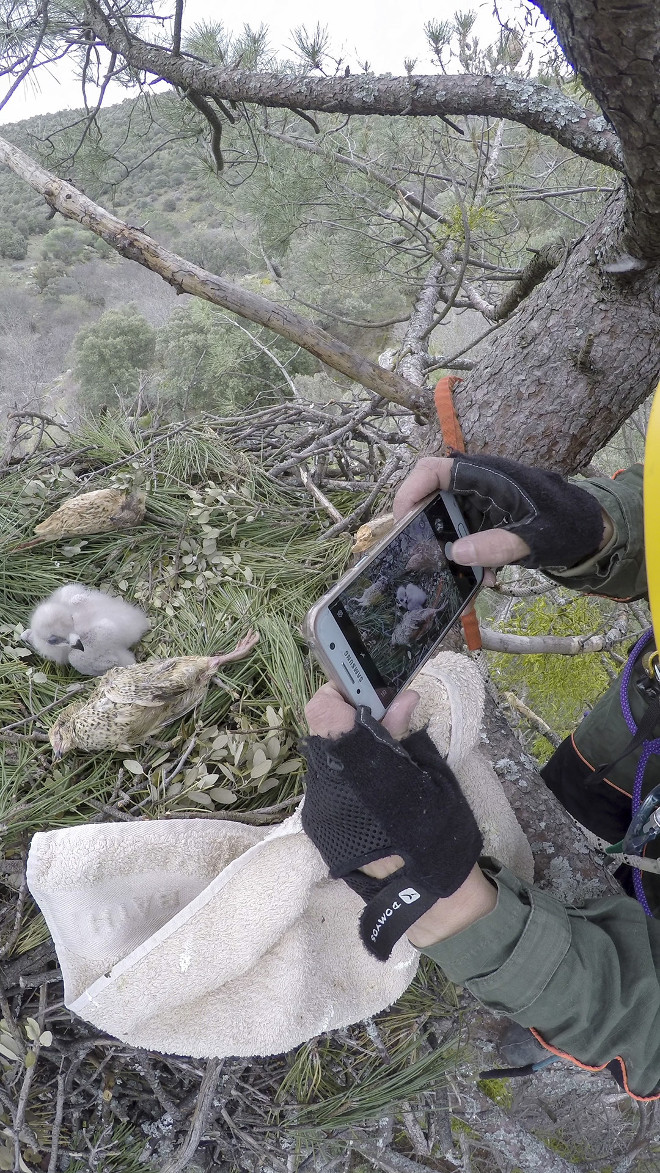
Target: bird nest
(224,546)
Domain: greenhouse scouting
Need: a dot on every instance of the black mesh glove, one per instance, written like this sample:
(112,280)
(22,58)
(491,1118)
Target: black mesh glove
(561,523)
(369,796)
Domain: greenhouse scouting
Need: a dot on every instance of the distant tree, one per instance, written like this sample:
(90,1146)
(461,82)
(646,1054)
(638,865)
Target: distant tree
(45,273)
(208,360)
(67,244)
(13,244)
(111,354)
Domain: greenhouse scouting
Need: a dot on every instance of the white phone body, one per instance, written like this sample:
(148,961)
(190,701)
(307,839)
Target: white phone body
(386,616)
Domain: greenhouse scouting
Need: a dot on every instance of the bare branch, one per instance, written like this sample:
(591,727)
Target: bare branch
(533,718)
(539,107)
(135,245)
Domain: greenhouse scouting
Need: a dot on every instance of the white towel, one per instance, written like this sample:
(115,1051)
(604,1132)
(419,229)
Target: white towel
(208,937)
(202,937)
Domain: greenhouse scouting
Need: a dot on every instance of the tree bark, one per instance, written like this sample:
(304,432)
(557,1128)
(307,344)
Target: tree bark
(579,356)
(539,107)
(135,245)
(616,49)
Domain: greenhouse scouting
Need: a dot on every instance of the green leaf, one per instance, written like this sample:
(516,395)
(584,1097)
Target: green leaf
(261,768)
(201,798)
(132,766)
(274,748)
(46,1038)
(32,1029)
(289,767)
(267,784)
(30,1059)
(223,796)
(273,718)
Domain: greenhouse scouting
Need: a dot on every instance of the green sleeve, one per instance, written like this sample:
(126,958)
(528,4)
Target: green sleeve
(586,979)
(618,571)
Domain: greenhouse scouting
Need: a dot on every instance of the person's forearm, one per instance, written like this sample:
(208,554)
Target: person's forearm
(475,898)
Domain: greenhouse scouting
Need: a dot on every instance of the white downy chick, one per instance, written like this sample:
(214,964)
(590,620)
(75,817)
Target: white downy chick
(93,628)
(411,597)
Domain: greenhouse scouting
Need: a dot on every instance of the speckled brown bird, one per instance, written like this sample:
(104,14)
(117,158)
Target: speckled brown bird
(95,513)
(130,704)
(412,624)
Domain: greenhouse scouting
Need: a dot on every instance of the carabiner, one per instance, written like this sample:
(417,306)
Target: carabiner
(645,826)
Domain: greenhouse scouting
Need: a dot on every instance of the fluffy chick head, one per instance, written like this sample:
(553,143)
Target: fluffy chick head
(51,632)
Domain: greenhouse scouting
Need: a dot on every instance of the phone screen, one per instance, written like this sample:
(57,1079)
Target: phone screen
(406,598)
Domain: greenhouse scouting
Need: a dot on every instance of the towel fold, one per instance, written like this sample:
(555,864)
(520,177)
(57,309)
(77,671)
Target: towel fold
(201,937)
(207,937)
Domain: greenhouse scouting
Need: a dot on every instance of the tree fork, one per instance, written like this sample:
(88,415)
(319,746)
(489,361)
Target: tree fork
(185,277)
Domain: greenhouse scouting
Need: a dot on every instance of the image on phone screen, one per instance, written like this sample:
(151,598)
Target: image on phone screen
(404,601)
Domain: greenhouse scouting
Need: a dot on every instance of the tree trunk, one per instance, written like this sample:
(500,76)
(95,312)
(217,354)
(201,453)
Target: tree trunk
(576,360)
(616,47)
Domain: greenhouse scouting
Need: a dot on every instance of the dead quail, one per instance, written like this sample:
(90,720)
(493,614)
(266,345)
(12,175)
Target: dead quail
(128,705)
(371,532)
(410,627)
(426,555)
(95,513)
(372,593)
(85,628)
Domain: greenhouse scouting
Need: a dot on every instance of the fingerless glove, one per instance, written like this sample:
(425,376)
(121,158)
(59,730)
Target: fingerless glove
(561,523)
(369,796)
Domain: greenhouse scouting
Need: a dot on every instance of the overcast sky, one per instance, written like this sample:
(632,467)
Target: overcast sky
(385,32)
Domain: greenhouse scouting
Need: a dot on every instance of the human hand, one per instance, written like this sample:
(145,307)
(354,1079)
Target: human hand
(517,514)
(374,802)
(328,714)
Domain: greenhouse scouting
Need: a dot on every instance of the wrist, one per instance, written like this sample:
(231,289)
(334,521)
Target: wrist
(475,898)
(608,531)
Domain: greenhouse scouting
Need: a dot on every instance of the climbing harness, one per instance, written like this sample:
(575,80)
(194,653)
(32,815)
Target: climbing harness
(645,824)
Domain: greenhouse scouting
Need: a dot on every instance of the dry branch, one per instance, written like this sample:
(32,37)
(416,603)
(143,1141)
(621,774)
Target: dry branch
(182,275)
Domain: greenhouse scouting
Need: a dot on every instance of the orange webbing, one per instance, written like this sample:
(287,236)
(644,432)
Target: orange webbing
(444,405)
(453,438)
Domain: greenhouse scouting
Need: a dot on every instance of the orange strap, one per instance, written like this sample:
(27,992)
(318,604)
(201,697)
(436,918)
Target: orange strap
(453,438)
(444,405)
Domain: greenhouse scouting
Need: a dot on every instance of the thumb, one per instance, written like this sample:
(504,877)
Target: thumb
(492,547)
(397,717)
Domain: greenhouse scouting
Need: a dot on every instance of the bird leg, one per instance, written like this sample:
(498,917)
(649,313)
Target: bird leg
(242,649)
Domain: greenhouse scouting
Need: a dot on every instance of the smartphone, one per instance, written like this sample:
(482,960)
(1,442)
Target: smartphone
(375,628)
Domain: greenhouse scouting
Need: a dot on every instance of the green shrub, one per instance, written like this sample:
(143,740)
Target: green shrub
(111,353)
(13,244)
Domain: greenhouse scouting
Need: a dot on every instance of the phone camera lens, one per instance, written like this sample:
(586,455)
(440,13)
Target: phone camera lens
(332,647)
(340,614)
(358,691)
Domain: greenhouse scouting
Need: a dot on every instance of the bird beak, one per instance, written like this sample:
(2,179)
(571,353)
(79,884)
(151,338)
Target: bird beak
(76,643)
(58,745)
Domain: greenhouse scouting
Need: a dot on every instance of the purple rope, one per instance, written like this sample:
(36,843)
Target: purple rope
(649,748)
